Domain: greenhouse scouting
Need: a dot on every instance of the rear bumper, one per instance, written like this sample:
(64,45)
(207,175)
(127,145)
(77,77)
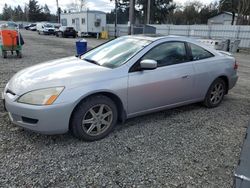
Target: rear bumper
(49,32)
(232,82)
(52,119)
(69,34)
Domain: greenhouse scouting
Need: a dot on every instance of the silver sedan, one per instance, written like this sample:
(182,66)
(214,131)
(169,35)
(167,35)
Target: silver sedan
(123,78)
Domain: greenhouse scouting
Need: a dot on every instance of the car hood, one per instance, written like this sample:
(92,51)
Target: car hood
(61,72)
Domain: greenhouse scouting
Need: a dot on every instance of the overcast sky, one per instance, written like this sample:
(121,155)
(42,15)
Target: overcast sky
(103,5)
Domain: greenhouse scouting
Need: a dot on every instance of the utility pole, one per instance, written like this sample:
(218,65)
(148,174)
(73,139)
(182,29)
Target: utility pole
(148,12)
(26,11)
(131,16)
(58,11)
(116,6)
(116,16)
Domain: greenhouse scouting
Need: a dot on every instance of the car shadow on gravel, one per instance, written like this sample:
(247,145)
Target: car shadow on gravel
(159,116)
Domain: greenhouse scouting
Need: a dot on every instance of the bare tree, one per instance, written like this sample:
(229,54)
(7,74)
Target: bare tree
(230,6)
(243,12)
(77,5)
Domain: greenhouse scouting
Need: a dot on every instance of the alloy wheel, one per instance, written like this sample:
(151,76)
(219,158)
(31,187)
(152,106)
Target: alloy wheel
(97,119)
(217,93)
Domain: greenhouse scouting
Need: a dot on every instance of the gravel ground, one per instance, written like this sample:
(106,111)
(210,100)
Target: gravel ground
(190,146)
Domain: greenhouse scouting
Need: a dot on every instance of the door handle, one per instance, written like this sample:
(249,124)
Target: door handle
(184,77)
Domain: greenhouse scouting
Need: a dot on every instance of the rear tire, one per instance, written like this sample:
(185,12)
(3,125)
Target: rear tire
(94,118)
(215,93)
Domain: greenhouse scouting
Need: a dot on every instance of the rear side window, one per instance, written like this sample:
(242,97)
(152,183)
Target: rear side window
(199,53)
(69,28)
(168,53)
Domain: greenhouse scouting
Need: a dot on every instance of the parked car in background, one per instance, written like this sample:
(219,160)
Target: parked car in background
(12,24)
(45,28)
(27,27)
(64,31)
(57,26)
(33,28)
(123,78)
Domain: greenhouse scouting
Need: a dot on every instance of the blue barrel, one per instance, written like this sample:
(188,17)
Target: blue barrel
(81,47)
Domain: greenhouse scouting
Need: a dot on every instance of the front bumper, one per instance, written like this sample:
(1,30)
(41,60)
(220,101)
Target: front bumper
(51,119)
(49,32)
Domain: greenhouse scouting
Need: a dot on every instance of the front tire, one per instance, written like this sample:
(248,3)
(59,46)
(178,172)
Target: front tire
(94,118)
(215,93)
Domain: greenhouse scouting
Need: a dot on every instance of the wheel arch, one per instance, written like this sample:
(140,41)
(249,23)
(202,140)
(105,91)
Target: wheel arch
(226,80)
(122,115)
(206,101)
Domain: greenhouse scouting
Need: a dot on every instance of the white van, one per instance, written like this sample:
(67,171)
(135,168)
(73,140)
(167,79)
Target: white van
(45,28)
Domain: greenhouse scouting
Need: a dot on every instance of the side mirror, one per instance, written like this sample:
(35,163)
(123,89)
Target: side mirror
(148,64)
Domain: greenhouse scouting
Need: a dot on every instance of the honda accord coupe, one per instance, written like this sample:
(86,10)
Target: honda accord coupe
(126,77)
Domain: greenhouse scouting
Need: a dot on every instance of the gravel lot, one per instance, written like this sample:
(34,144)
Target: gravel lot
(191,146)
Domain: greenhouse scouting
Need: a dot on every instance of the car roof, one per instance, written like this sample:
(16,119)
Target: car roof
(156,37)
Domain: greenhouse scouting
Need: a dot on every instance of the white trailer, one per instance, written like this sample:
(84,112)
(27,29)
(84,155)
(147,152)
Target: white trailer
(87,22)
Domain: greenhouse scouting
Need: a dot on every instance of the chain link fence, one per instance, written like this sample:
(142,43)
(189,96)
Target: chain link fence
(219,32)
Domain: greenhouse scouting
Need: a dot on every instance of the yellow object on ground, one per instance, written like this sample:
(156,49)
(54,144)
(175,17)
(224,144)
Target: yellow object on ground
(104,35)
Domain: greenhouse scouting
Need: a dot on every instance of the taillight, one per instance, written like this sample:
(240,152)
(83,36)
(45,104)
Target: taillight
(236,65)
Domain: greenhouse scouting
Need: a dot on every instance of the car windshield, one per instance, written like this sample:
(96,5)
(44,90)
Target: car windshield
(48,25)
(116,52)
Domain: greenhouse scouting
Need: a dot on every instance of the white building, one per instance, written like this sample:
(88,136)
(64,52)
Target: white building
(85,22)
(224,18)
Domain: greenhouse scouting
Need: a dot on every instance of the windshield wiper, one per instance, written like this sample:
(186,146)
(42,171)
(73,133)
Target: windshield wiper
(91,61)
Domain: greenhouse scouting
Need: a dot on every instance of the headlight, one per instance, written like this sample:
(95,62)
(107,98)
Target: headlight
(41,97)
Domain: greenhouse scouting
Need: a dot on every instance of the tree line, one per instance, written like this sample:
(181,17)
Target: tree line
(192,12)
(32,12)
(162,12)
